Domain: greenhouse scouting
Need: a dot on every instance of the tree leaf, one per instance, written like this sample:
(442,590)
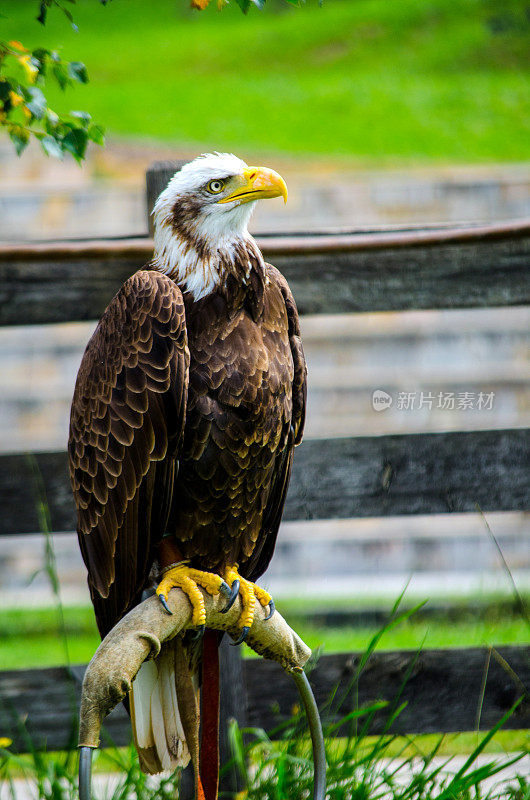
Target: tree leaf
(60,74)
(36,103)
(39,65)
(97,134)
(43,10)
(244,5)
(5,90)
(20,138)
(51,147)
(75,142)
(40,53)
(39,58)
(82,115)
(51,123)
(77,71)
(24,111)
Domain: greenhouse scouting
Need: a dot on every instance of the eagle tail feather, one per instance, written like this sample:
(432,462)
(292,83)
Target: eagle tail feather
(157,727)
(165,713)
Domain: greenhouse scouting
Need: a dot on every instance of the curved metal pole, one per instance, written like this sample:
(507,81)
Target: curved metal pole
(85,772)
(315,729)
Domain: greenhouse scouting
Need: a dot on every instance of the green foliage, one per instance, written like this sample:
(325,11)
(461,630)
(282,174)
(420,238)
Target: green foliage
(246,5)
(24,109)
(44,5)
(410,80)
(279,766)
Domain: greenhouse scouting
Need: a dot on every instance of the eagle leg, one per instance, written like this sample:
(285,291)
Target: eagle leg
(250,592)
(188,579)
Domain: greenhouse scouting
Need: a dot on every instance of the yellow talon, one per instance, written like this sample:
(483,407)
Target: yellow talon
(250,592)
(262,595)
(188,579)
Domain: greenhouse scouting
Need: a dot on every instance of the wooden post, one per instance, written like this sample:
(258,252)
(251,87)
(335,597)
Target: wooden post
(233,689)
(157,178)
(233,706)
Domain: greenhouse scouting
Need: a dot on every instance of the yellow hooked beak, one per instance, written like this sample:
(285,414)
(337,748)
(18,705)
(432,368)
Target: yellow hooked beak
(257,183)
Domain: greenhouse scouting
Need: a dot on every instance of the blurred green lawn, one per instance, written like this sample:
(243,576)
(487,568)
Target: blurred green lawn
(378,81)
(30,637)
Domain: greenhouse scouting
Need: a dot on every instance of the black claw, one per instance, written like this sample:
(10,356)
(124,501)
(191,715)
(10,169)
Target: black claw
(225,589)
(242,637)
(233,597)
(272,609)
(164,603)
(198,634)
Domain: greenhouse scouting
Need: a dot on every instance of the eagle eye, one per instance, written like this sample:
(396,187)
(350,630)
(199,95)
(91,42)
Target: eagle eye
(216,186)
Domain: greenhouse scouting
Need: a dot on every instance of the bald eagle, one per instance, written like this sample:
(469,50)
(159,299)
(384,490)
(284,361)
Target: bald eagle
(189,401)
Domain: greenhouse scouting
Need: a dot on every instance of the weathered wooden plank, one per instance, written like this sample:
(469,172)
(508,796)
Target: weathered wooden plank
(335,273)
(367,476)
(26,482)
(445,275)
(48,700)
(64,286)
(442,693)
(379,476)
(441,688)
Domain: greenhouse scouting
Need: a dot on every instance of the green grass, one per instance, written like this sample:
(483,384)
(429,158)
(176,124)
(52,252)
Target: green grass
(449,744)
(358,768)
(370,80)
(279,765)
(30,638)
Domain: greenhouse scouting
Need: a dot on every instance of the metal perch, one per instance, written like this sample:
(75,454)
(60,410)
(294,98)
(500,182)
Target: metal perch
(139,636)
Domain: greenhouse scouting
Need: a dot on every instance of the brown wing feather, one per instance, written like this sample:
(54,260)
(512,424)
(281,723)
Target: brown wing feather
(299,387)
(126,426)
(263,552)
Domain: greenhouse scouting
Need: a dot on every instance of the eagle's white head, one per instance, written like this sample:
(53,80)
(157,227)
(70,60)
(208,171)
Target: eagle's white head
(201,219)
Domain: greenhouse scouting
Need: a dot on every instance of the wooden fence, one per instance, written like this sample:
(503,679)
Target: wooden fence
(428,268)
